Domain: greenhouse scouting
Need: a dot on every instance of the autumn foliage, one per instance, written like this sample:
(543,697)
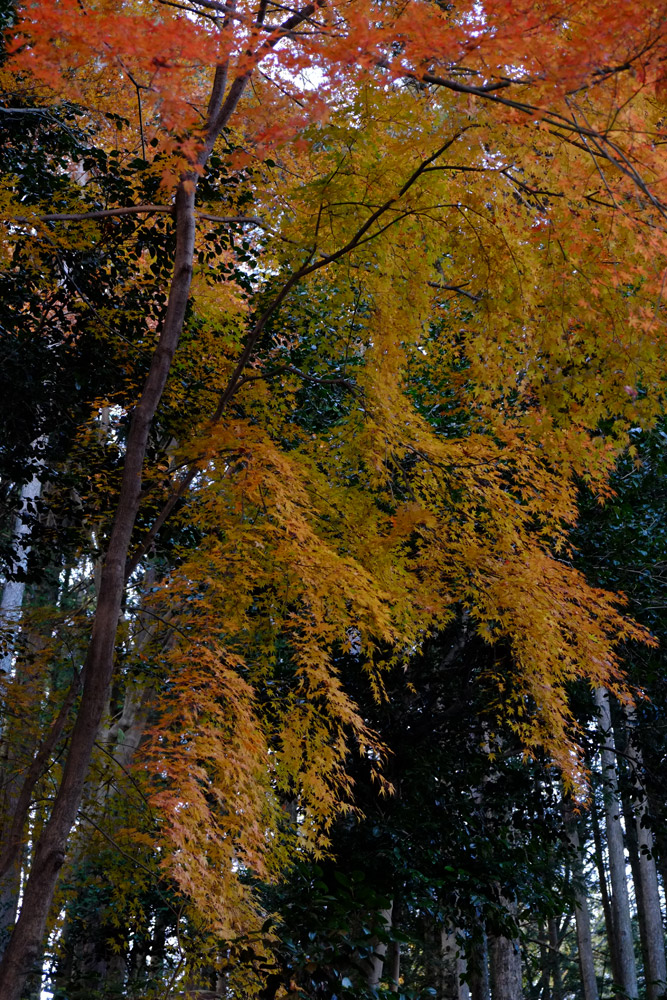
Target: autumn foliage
(419,255)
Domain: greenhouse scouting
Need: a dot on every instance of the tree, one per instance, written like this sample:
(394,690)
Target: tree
(399,164)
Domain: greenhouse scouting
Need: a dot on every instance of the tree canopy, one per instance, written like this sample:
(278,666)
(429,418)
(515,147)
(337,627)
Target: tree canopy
(316,323)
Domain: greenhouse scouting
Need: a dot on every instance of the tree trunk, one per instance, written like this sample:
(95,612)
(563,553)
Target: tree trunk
(375,966)
(544,985)
(581,913)
(394,966)
(554,959)
(646,879)
(478,966)
(11,604)
(505,956)
(13,590)
(604,893)
(450,967)
(620,904)
(26,940)
(25,943)
(92,951)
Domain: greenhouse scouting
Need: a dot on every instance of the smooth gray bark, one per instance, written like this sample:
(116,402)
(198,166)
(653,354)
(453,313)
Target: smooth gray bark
(605,897)
(454,967)
(554,959)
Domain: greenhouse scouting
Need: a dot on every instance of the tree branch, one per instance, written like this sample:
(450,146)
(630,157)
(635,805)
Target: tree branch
(308,267)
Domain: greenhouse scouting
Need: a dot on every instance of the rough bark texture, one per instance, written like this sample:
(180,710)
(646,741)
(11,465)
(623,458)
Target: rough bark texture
(505,956)
(620,904)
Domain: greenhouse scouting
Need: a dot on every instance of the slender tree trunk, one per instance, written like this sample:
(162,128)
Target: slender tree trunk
(377,959)
(13,590)
(632,849)
(604,892)
(620,903)
(646,878)
(26,941)
(11,605)
(92,951)
(544,980)
(554,959)
(478,967)
(394,966)
(581,913)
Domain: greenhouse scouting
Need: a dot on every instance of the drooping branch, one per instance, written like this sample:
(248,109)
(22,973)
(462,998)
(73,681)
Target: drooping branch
(360,237)
(50,846)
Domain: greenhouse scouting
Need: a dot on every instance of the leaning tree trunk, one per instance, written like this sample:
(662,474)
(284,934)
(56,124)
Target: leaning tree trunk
(620,903)
(91,952)
(26,941)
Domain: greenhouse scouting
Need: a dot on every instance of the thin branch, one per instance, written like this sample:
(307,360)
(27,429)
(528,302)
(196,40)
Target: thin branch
(359,238)
(35,770)
(128,857)
(103,213)
(292,370)
(454,288)
(141,120)
(107,213)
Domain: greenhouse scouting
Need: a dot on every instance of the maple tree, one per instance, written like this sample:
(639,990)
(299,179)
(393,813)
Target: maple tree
(450,218)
